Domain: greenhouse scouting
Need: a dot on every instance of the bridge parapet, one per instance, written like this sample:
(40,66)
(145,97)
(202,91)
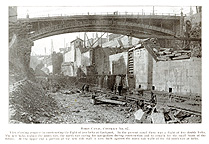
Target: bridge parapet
(110,14)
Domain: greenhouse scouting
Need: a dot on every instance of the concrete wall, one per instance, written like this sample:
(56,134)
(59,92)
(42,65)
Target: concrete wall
(70,55)
(140,57)
(86,59)
(118,63)
(101,61)
(57,60)
(78,57)
(183,76)
(67,69)
(99,57)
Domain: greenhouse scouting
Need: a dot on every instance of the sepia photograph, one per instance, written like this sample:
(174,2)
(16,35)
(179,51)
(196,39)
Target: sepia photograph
(104,72)
(81,65)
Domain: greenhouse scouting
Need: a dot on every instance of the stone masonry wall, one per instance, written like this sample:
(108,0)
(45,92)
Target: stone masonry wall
(19,58)
(141,68)
(181,76)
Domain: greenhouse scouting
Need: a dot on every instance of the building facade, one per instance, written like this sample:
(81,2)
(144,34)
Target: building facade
(176,76)
(72,58)
(118,63)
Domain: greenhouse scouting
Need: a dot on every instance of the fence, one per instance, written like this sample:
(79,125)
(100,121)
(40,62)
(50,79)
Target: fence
(106,14)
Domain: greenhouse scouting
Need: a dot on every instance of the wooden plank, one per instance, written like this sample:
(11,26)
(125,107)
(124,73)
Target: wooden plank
(164,57)
(167,49)
(169,55)
(111,101)
(162,49)
(161,53)
(189,39)
(177,54)
(181,57)
(167,52)
(186,110)
(184,51)
(161,59)
(151,52)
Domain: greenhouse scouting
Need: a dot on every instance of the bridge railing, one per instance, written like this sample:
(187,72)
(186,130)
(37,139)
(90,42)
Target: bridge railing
(108,13)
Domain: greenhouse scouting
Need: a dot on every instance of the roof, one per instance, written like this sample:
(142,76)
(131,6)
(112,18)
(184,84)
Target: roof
(76,39)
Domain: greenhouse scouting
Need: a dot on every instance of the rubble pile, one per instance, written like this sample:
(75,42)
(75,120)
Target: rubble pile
(28,103)
(57,83)
(195,46)
(171,54)
(183,49)
(196,49)
(70,91)
(163,115)
(31,103)
(195,31)
(76,108)
(145,110)
(165,54)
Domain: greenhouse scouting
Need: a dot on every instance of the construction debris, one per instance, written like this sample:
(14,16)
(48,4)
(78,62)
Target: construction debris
(158,118)
(68,92)
(138,114)
(111,101)
(105,99)
(28,102)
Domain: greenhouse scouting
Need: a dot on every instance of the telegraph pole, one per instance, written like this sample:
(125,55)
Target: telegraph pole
(84,39)
(52,47)
(64,42)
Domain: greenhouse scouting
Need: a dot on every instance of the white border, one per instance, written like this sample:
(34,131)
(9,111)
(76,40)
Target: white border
(5,127)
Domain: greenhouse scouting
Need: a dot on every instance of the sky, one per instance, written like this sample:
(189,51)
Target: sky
(60,41)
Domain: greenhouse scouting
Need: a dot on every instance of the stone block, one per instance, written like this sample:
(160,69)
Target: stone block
(158,118)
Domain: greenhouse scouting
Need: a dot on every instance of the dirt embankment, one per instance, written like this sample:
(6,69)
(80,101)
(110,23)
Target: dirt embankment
(19,58)
(27,99)
(29,103)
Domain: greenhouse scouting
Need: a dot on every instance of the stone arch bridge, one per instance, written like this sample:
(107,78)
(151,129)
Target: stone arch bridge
(139,26)
(23,32)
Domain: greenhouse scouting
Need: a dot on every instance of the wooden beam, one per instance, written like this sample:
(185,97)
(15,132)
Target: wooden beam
(186,110)
(97,40)
(88,39)
(111,101)
(151,52)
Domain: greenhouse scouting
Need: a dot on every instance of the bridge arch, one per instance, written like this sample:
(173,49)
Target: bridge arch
(136,26)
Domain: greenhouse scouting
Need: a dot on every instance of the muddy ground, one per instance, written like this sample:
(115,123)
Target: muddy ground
(77,108)
(31,103)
